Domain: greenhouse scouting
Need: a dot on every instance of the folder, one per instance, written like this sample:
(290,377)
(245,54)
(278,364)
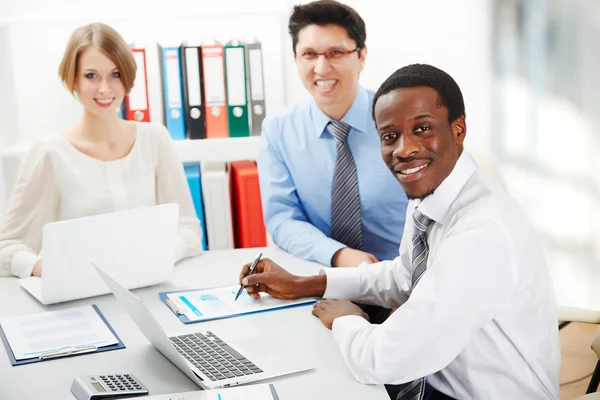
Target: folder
(136,102)
(192,92)
(248,222)
(237,96)
(172,96)
(192,172)
(260,391)
(256,86)
(217,204)
(213,75)
(14,361)
(199,305)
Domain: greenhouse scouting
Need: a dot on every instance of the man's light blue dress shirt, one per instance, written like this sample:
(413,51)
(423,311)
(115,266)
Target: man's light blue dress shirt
(295,164)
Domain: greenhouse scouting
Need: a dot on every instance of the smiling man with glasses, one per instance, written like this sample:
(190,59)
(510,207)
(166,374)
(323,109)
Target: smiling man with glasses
(327,196)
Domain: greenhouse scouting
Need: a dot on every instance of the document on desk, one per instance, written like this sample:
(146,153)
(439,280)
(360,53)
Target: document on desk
(56,333)
(215,303)
(255,392)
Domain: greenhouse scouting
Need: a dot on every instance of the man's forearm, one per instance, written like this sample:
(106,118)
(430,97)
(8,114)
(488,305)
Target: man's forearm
(311,286)
(305,241)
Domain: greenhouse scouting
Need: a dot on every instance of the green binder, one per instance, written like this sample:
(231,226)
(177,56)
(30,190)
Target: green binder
(237,89)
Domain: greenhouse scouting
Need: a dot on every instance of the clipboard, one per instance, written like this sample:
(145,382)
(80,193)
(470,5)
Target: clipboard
(15,362)
(183,318)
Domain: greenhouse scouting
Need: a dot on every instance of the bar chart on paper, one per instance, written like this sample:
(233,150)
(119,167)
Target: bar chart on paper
(215,303)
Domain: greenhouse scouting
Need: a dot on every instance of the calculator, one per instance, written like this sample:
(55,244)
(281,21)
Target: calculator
(107,387)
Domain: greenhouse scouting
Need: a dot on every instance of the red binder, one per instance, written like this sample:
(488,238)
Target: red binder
(246,208)
(136,102)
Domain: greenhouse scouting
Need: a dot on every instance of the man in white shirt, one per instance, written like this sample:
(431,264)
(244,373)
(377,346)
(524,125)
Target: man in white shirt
(477,316)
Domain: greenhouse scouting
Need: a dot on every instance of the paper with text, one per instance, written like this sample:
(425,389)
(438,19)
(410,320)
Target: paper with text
(214,303)
(31,335)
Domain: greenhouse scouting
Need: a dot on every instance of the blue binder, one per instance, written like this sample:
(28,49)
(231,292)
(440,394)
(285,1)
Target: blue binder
(121,111)
(172,91)
(14,361)
(192,172)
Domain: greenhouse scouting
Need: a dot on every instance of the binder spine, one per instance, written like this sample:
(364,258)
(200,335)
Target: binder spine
(237,96)
(256,88)
(214,91)
(191,67)
(172,92)
(192,172)
(137,99)
(215,187)
(249,226)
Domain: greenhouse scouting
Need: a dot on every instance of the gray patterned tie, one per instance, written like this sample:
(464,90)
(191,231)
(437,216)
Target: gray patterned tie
(414,390)
(345,199)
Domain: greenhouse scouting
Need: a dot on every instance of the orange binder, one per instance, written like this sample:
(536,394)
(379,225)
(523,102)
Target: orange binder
(248,222)
(215,103)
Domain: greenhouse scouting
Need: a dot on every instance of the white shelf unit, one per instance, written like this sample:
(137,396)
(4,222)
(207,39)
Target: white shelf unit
(226,149)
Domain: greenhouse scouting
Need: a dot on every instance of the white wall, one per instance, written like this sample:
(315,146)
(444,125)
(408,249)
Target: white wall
(70,9)
(4,5)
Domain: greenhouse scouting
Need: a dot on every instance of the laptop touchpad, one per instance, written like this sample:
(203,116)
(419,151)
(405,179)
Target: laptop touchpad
(259,346)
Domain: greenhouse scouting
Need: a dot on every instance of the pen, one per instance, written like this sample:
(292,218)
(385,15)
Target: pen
(61,353)
(250,271)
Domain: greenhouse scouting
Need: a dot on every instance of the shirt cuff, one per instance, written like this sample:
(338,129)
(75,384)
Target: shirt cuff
(342,283)
(22,263)
(187,245)
(325,249)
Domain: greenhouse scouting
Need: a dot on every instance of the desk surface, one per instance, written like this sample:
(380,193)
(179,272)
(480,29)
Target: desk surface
(296,327)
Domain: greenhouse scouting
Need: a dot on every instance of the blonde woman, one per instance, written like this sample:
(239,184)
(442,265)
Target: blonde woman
(102,164)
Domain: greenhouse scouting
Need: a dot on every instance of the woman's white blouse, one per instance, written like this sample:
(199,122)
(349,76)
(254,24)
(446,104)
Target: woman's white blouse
(58,182)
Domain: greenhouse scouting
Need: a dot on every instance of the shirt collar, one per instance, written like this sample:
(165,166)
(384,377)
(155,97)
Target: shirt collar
(357,116)
(436,206)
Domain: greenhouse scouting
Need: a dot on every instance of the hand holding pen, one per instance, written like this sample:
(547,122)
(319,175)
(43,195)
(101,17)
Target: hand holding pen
(270,278)
(248,272)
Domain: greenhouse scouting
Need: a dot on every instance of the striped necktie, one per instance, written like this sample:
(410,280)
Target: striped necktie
(414,390)
(345,198)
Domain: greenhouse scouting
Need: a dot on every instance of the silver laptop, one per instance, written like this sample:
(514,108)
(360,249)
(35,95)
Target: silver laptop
(137,246)
(208,359)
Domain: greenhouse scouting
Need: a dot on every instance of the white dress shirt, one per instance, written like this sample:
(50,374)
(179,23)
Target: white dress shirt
(482,321)
(58,182)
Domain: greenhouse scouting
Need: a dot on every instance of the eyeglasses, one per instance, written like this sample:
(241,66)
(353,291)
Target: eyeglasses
(331,55)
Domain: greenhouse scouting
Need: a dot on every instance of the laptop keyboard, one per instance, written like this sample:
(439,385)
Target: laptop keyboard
(215,358)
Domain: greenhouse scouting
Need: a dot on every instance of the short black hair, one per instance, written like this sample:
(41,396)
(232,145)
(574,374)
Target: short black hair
(327,12)
(416,75)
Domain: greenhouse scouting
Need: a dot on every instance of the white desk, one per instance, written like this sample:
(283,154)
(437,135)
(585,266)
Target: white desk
(50,380)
